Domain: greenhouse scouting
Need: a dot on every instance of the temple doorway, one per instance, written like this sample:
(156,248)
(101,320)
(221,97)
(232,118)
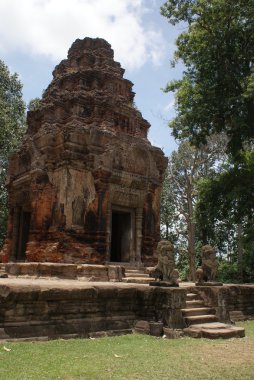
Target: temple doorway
(121,236)
(21,234)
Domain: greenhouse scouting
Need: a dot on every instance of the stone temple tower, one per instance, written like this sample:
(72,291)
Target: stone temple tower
(85,185)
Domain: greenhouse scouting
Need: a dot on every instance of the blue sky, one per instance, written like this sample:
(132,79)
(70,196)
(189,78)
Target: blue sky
(35,35)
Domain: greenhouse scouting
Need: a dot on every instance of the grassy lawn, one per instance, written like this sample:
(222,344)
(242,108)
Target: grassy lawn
(131,357)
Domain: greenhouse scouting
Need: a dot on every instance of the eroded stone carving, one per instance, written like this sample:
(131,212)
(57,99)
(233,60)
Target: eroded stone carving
(165,269)
(208,270)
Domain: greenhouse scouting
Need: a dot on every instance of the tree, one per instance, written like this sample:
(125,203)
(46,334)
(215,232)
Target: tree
(186,166)
(216,92)
(34,104)
(168,214)
(227,199)
(12,122)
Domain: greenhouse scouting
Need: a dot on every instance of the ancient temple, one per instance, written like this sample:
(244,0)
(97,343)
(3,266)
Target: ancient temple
(85,185)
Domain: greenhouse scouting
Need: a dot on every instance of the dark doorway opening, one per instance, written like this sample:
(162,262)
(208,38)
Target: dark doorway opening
(120,236)
(23,234)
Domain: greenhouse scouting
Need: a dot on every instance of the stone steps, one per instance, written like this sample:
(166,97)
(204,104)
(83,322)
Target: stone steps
(189,312)
(198,319)
(3,273)
(131,274)
(137,276)
(203,323)
(126,265)
(137,280)
(193,297)
(197,315)
(194,304)
(134,274)
(214,330)
(141,270)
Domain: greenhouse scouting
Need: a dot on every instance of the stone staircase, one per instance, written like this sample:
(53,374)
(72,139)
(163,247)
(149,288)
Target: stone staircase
(3,273)
(136,275)
(202,322)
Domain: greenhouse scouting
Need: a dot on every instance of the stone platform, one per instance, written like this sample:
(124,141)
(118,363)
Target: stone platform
(84,272)
(50,309)
(33,307)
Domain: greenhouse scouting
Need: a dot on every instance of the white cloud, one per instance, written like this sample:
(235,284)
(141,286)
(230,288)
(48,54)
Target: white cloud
(49,27)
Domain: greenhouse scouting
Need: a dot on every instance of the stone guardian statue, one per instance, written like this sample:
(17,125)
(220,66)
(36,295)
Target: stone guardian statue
(165,270)
(209,267)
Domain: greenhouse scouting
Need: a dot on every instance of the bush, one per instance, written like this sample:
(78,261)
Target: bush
(227,272)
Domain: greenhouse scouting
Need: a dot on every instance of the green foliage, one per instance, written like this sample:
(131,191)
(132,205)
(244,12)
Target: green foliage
(181,258)
(216,92)
(12,122)
(167,208)
(3,206)
(226,200)
(186,166)
(12,111)
(248,244)
(227,272)
(228,195)
(34,104)
(215,95)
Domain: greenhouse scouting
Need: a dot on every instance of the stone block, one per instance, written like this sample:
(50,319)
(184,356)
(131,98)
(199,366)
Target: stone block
(115,273)
(156,328)
(28,269)
(142,327)
(93,272)
(57,270)
(237,316)
(13,269)
(97,334)
(172,333)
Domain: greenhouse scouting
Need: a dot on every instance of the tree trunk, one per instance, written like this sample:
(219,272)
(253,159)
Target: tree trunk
(191,231)
(191,252)
(167,230)
(239,252)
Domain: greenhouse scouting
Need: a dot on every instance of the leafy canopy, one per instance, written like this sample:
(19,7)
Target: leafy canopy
(216,92)
(12,111)
(12,122)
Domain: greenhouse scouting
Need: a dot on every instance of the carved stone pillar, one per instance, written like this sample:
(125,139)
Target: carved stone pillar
(15,233)
(108,231)
(132,237)
(139,216)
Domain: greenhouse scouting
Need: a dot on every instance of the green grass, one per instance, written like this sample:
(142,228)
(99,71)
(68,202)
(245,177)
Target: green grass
(134,357)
